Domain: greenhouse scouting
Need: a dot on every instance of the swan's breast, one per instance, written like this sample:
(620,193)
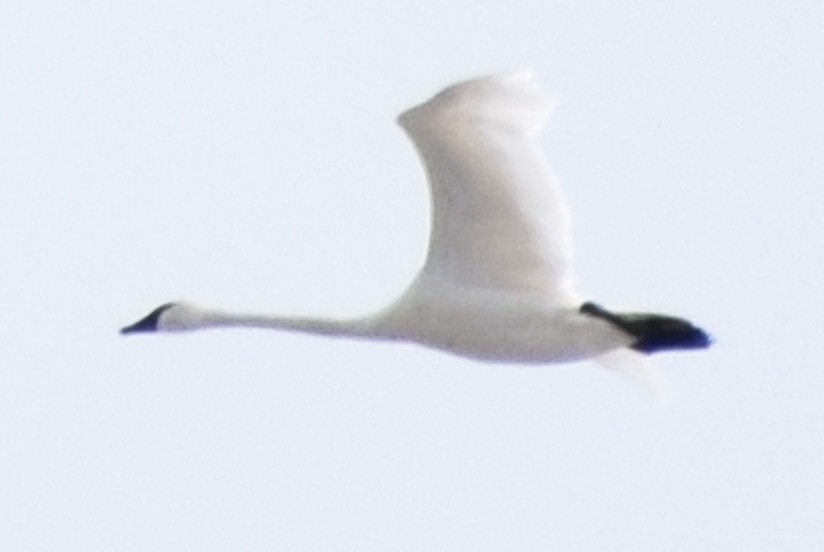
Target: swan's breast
(499,326)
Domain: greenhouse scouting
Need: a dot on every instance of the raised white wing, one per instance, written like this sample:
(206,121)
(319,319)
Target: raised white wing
(499,219)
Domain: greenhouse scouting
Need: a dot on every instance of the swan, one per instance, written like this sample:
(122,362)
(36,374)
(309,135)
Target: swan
(497,282)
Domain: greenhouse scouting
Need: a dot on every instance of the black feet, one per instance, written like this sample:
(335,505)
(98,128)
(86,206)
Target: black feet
(653,332)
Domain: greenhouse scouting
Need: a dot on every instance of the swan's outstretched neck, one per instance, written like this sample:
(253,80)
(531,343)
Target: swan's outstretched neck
(355,327)
(177,317)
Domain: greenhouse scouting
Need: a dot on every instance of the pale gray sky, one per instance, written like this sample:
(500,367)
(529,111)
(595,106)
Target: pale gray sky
(245,154)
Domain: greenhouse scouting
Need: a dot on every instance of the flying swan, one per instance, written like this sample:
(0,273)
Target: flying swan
(497,283)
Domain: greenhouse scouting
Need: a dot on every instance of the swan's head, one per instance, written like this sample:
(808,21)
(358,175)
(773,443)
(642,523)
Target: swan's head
(169,317)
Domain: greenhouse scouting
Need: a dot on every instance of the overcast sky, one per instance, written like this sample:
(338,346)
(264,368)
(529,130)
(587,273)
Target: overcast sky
(244,154)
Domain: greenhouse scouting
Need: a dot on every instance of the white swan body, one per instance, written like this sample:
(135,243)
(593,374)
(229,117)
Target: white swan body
(497,282)
(499,325)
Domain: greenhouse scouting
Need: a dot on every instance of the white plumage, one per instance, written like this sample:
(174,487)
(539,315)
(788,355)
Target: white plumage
(499,217)
(497,283)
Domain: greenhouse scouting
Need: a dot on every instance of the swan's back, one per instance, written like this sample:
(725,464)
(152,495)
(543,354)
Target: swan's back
(499,219)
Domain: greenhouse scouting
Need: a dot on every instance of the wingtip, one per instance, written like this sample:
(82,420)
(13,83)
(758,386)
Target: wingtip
(513,95)
(641,370)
